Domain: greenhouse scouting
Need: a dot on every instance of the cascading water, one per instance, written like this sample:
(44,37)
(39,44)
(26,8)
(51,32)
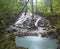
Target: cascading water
(34,42)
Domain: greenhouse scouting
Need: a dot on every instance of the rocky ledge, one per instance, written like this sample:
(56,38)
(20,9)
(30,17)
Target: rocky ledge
(26,34)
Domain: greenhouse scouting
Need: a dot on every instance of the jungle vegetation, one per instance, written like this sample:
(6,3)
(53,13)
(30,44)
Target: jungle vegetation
(9,10)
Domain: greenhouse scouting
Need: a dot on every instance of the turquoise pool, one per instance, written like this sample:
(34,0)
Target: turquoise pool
(36,42)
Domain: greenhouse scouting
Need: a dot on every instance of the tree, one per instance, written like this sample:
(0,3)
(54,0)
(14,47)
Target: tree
(51,5)
(36,6)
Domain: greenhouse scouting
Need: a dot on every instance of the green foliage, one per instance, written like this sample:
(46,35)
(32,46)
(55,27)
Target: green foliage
(8,12)
(10,6)
(6,44)
(46,5)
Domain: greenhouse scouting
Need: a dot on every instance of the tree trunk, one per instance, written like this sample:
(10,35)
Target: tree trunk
(26,6)
(32,9)
(51,5)
(36,6)
(33,24)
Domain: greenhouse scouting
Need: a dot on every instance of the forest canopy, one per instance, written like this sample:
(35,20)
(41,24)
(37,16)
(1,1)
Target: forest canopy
(14,6)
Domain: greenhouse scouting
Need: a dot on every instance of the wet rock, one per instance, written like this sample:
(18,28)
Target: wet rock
(10,30)
(26,34)
(25,25)
(18,34)
(43,35)
(36,34)
(58,46)
(30,34)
